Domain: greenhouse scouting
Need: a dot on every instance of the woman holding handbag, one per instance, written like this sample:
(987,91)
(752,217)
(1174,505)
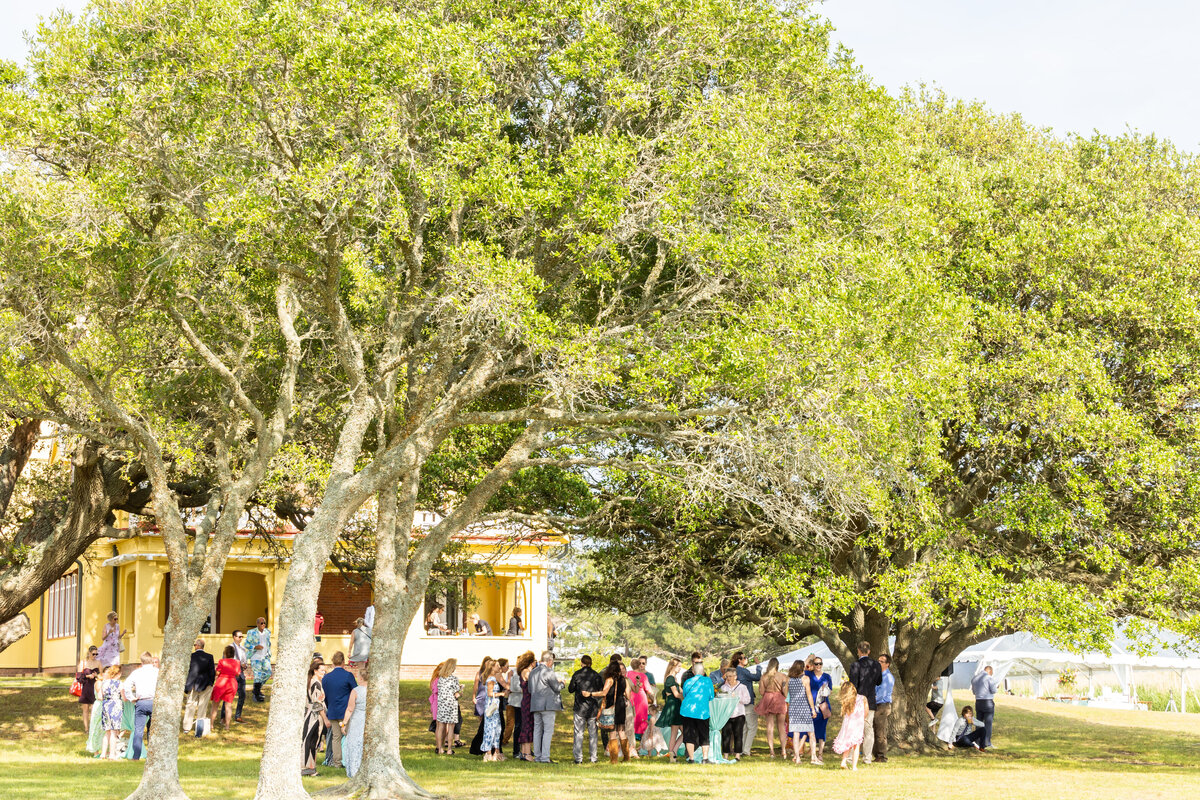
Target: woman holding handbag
(822,687)
(85,678)
(611,716)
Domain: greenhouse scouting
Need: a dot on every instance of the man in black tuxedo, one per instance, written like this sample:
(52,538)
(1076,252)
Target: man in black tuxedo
(866,674)
(202,674)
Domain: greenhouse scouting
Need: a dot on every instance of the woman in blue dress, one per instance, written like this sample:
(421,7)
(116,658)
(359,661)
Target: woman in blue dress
(822,687)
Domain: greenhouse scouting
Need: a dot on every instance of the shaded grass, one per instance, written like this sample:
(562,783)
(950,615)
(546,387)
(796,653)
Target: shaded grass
(1045,751)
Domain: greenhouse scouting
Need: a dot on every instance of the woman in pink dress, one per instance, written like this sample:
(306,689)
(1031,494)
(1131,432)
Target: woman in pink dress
(854,717)
(639,688)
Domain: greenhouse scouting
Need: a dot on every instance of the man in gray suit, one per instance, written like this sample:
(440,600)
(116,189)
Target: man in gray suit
(545,701)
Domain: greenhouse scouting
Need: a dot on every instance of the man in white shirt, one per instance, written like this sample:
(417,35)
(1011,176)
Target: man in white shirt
(139,690)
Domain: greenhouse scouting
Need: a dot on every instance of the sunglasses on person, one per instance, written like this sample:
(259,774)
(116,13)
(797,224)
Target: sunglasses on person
(818,663)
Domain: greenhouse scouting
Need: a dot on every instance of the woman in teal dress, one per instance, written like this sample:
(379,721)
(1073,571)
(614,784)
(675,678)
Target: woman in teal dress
(669,716)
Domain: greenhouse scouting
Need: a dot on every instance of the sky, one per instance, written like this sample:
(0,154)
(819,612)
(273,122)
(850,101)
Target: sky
(1072,65)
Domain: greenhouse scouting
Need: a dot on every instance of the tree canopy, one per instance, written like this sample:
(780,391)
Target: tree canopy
(673,267)
(1061,489)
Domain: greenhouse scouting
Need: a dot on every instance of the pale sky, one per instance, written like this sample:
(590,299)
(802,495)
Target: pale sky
(1074,65)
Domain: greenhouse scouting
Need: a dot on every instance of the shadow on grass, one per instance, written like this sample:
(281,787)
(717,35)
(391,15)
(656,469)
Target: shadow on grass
(46,758)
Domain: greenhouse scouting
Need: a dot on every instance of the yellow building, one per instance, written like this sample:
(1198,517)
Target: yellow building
(131,576)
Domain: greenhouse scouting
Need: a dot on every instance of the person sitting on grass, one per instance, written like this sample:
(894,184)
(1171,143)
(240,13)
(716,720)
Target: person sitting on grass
(966,732)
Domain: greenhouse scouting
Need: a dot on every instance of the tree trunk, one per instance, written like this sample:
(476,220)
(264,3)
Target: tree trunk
(279,774)
(14,630)
(97,486)
(917,659)
(383,776)
(14,456)
(160,779)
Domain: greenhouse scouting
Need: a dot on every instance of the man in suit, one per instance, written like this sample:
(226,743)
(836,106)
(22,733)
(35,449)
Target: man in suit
(867,675)
(202,674)
(545,702)
(585,683)
(243,657)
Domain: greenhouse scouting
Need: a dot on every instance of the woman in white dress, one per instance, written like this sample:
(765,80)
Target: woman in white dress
(354,724)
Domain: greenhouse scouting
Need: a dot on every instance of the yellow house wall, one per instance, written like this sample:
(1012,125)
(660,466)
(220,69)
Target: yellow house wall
(96,600)
(23,653)
(140,596)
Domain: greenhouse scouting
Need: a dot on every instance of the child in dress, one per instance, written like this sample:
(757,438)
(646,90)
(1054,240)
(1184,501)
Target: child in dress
(854,717)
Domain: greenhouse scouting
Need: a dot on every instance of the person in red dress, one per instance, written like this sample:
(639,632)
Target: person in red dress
(225,689)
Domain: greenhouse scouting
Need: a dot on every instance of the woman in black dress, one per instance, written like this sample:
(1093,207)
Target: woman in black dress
(616,702)
(525,733)
(89,670)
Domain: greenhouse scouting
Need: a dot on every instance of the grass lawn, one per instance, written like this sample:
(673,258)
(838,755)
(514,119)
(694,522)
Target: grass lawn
(1044,751)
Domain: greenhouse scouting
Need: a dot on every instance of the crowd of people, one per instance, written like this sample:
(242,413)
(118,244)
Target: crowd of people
(214,689)
(619,709)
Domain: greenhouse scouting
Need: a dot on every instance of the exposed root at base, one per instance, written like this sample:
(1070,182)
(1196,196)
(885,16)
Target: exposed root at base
(395,787)
(158,792)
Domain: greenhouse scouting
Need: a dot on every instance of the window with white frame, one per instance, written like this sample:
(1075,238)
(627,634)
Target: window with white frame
(62,600)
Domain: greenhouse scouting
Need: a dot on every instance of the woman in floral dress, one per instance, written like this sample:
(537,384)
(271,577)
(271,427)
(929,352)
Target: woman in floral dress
(112,711)
(491,722)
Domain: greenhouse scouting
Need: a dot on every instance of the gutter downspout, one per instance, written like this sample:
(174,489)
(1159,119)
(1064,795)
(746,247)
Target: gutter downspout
(114,579)
(41,639)
(79,612)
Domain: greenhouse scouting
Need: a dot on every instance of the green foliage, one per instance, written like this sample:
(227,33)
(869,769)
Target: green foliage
(1040,476)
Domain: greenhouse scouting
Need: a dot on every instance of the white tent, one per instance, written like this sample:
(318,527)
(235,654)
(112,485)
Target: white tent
(1023,655)
(830,663)
(657,667)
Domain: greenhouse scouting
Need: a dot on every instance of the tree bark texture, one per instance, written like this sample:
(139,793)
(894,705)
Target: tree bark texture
(383,776)
(279,773)
(160,778)
(56,541)
(14,630)
(15,456)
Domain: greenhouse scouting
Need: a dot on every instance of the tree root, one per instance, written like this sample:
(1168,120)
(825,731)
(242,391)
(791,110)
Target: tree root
(158,790)
(392,784)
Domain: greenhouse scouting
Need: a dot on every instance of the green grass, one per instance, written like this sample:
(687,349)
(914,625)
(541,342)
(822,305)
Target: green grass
(1044,751)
